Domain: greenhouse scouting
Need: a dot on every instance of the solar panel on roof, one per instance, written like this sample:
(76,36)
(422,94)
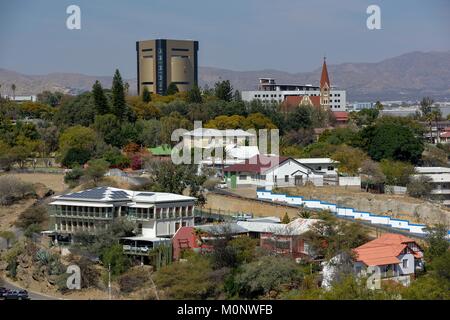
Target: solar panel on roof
(145,194)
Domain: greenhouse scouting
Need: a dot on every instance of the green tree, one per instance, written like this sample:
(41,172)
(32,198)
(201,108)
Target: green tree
(350,159)
(438,244)
(191,279)
(114,257)
(74,157)
(13,88)
(301,117)
(286,219)
(34,215)
(172,89)
(96,169)
(425,105)
(194,95)
(223,90)
(118,96)
(396,172)
(109,128)
(100,101)
(79,110)
(378,142)
(146,96)
(72,177)
(420,187)
(264,275)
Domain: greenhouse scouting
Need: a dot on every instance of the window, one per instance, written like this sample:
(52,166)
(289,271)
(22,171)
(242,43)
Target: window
(242,177)
(286,178)
(330,168)
(405,263)
(319,168)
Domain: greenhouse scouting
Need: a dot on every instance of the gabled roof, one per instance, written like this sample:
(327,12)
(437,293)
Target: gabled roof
(291,102)
(383,250)
(257,164)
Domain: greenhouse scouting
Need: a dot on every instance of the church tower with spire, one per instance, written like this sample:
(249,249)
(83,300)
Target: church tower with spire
(325,86)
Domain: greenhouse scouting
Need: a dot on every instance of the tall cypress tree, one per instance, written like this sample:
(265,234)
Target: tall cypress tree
(118,96)
(172,89)
(100,101)
(146,96)
(194,95)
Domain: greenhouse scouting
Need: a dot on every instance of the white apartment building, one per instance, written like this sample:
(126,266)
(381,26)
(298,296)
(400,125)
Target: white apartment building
(157,214)
(206,138)
(440,179)
(270,92)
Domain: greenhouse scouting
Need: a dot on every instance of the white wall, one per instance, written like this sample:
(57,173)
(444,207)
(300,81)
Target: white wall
(344,211)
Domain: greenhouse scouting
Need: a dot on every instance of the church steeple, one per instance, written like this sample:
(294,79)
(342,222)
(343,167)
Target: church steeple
(325,86)
(324,79)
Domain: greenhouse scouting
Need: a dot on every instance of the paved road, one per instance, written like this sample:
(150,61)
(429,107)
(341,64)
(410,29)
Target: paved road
(32,295)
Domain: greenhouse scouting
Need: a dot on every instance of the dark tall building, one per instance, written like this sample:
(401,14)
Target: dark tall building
(162,61)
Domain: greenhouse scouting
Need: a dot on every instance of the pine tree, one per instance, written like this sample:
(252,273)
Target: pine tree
(172,89)
(146,96)
(194,95)
(118,96)
(286,219)
(223,90)
(237,96)
(100,101)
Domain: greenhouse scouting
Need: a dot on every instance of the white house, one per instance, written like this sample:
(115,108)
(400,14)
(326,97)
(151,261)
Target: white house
(271,171)
(391,256)
(205,138)
(327,166)
(157,214)
(440,180)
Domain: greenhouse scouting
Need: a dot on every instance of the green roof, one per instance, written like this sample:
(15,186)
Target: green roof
(163,150)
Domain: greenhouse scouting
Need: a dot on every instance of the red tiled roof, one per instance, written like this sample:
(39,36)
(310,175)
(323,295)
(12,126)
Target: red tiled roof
(324,79)
(257,164)
(294,101)
(341,115)
(445,134)
(383,250)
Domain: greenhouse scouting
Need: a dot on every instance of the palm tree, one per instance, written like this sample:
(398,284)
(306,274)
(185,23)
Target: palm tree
(13,88)
(437,115)
(429,118)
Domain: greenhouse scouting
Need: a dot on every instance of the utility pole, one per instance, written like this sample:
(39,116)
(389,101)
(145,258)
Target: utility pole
(109,281)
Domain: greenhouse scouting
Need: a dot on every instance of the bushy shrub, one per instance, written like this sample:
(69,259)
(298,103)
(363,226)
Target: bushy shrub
(34,215)
(133,280)
(13,189)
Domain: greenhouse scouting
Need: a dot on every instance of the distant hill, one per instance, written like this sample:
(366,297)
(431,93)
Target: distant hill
(406,77)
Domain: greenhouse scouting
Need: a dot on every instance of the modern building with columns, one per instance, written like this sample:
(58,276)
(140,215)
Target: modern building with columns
(157,214)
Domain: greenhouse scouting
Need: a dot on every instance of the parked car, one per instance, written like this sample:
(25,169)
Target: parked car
(16,295)
(3,290)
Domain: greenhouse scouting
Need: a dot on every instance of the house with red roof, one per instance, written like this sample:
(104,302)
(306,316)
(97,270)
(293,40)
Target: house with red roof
(392,256)
(271,171)
(396,256)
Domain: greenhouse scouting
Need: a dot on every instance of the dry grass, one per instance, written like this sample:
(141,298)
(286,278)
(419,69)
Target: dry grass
(51,180)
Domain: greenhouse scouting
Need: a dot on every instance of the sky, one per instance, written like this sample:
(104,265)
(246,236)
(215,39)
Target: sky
(243,35)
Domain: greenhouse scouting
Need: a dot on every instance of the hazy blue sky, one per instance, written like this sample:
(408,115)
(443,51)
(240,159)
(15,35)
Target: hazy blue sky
(290,35)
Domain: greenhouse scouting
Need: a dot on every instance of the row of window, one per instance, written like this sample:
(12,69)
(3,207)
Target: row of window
(160,213)
(136,213)
(79,225)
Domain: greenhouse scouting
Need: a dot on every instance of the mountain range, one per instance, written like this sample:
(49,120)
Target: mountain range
(406,77)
